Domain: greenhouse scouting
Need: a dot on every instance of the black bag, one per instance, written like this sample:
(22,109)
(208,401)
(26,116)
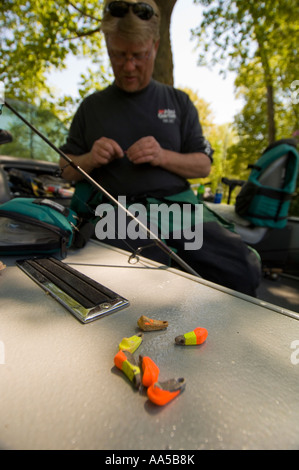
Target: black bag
(36,226)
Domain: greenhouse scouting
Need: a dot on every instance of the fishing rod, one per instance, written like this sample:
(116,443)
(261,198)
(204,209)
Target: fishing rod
(98,187)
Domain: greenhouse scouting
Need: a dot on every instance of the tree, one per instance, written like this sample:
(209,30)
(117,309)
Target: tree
(251,122)
(37,36)
(238,32)
(164,64)
(220,137)
(26,144)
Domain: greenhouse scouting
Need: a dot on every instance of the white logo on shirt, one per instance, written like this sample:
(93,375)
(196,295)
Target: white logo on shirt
(167,115)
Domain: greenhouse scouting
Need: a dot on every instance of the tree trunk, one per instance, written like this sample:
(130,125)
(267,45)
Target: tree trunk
(163,71)
(271,115)
(269,93)
(264,56)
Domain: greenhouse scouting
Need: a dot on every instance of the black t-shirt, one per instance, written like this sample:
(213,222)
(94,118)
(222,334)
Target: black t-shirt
(158,110)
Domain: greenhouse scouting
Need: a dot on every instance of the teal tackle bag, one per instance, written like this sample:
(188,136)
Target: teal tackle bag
(36,226)
(265,198)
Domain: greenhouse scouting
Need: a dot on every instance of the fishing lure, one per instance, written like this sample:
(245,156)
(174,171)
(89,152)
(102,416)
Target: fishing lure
(125,362)
(2,266)
(197,336)
(148,324)
(161,393)
(150,371)
(131,344)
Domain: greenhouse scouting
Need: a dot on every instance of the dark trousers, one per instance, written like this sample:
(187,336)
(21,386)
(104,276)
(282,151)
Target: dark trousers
(223,258)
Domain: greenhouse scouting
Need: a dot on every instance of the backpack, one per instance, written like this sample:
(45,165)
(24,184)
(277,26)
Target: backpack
(36,226)
(265,198)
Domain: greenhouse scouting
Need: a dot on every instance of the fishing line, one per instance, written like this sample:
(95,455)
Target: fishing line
(134,257)
(98,187)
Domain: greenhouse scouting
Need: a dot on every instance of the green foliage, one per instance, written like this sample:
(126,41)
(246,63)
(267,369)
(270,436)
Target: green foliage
(221,137)
(37,36)
(259,41)
(26,144)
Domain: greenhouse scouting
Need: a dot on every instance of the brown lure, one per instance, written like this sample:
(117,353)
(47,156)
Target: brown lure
(148,324)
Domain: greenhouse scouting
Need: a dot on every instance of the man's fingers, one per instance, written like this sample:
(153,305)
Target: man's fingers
(105,150)
(144,150)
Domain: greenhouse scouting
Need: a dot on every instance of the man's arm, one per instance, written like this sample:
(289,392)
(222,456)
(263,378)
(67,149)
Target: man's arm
(103,152)
(145,150)
(71,174)
(188,165)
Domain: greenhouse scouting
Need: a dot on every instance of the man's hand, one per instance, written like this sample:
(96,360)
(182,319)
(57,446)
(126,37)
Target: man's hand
(146,150)
(189,165)
(104,151)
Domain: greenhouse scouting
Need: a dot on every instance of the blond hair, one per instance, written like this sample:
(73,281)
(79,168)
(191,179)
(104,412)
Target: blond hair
(130,27)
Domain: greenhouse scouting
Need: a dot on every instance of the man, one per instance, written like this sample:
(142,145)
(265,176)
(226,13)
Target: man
(143,140)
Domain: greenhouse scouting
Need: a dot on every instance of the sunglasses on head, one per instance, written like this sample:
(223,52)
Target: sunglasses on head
(119,9)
